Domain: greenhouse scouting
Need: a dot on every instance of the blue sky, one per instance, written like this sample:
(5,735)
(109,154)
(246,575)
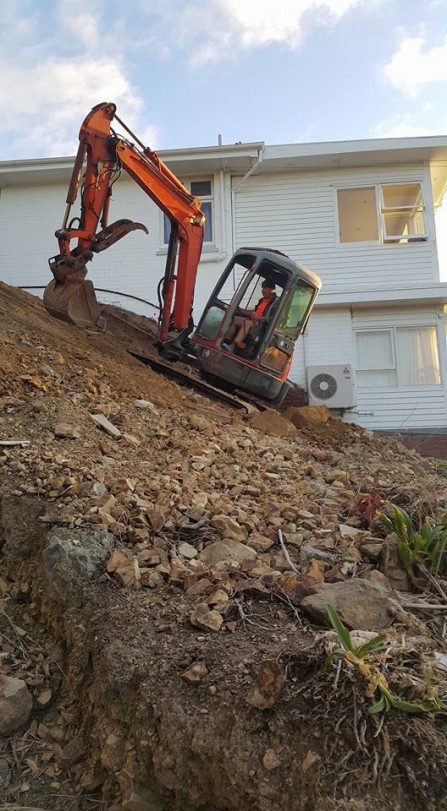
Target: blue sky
(183,72)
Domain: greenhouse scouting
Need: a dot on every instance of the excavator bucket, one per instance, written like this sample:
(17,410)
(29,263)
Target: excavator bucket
(69,296)
(74,301)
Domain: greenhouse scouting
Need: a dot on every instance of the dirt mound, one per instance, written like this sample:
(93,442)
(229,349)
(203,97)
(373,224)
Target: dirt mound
(176,552)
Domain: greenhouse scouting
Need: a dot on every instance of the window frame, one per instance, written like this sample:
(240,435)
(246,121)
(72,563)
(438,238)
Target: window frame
(395,351)
(382,367)
(381,211)
(210,245)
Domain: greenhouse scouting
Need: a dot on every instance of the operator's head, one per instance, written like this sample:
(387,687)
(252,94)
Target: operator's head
(268,289)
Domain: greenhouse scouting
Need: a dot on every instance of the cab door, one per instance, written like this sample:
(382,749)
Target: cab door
(287,326)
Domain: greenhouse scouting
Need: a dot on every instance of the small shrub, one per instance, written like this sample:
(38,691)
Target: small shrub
(424,547)
(366,658)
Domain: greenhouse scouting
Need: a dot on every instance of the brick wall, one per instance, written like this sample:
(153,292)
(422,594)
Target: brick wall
(427,444)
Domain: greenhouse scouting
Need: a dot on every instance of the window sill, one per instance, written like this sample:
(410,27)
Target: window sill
(407,387)
(206,249)
(210,253)
(403,240)
(381,243)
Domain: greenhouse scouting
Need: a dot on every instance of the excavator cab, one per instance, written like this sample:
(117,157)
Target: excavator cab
(260,363)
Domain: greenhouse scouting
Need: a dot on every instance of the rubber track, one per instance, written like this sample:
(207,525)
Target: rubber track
(198,383)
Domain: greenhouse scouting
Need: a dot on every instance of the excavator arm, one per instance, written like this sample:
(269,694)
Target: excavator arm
(104,154)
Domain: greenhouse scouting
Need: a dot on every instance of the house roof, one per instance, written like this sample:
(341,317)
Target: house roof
(237,159)
(249,158)
(371,152)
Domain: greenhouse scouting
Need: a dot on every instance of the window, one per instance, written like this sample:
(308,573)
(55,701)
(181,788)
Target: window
(203,189)
(398,356)
(357,215)
(385,213)
(293,317)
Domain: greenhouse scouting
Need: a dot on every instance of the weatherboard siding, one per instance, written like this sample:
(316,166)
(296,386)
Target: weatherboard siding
(29,216)
(327,340)
(369,317)
(297,213)
(403,408)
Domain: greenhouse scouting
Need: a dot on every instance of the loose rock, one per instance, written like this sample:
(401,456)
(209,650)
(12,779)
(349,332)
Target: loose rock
(360,604)
(16,704)
(208,620)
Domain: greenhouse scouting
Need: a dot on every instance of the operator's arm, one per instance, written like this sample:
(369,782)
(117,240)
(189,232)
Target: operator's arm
(252,314)
(245,313)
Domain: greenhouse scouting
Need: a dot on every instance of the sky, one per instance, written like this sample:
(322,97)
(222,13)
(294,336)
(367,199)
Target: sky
(183,72)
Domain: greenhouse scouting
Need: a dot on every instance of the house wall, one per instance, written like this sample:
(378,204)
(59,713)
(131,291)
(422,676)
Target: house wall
(29,216)
(403,408)
(327,340)
(297,213)
(293,212)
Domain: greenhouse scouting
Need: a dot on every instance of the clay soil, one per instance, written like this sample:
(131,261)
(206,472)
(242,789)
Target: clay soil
(169,667)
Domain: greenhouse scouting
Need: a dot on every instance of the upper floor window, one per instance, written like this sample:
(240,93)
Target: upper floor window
(203,189)
(397,356)
(384,213)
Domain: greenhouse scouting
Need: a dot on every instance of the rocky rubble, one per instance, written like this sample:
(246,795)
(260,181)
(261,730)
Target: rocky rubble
(200,535)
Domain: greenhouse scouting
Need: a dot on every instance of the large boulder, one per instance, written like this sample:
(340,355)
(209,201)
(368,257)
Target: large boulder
(73,558)
(308,416)
(360,605)
(226,552)
(270,422)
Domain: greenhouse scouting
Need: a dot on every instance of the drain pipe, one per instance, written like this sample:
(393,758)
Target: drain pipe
(234,188)
(232,200)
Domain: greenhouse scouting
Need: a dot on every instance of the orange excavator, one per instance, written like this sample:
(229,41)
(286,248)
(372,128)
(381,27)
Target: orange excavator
(259,364)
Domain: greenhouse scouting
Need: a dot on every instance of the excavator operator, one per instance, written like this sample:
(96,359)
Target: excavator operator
(244,321)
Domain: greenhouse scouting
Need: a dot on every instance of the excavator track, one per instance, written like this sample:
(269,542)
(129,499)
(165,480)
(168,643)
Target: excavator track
(139,334)
(190,379)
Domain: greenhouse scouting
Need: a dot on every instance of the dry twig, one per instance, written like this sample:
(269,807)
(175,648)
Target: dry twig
(286,553)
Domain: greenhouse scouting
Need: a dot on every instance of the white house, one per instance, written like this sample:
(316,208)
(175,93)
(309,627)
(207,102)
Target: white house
(361,214)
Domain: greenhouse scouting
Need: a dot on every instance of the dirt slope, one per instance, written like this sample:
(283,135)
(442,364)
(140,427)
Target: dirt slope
(170,558)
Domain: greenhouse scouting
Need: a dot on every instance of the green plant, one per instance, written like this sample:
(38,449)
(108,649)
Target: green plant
(348,650)
(389,700)
(424,547)
(362,658)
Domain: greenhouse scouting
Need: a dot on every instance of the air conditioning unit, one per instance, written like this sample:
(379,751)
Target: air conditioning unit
(332,386)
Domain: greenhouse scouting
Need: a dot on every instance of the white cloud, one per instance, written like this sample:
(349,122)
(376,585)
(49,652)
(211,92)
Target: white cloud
(42,107)
(412,66)
(44,99)
(261,21)
(217,30)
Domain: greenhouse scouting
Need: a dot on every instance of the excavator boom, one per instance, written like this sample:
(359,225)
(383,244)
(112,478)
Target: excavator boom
(102,154)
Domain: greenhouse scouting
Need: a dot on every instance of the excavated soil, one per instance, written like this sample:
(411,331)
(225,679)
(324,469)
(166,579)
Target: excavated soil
(156,573)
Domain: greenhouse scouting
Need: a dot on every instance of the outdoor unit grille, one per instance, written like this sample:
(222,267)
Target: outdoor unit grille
(332,386)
